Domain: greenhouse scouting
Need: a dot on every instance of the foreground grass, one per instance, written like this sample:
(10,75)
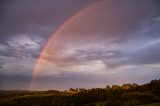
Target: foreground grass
(154,104)
(103,104)
(77,99)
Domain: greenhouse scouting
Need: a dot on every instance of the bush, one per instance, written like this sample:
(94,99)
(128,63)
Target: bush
(112,103)
(131,102)
(139,98)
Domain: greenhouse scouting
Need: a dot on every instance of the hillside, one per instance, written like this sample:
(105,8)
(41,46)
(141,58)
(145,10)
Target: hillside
(125,95)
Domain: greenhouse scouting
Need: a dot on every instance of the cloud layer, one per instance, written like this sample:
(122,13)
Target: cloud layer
(112,43)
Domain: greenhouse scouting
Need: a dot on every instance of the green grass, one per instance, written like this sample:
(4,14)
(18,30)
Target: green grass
(154,104)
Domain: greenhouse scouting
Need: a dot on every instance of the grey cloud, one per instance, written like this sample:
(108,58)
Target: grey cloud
(136,51)
(142,47)
(1,67)
(89,80)
(140,29)
(17,66)
(16,82)
(18,54)
(22,46)
(147,56)
(68,80)
(42,17)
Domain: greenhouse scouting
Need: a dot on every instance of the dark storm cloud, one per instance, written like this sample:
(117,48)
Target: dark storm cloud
(118,21)
(38,16)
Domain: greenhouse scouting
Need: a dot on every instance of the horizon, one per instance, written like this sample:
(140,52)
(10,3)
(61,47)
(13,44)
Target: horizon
(121,85)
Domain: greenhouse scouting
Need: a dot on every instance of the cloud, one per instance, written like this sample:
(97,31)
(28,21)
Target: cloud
(21,46)
(3,47)
(15,82)
(17,66)
(18,54)
(40,17)
(25,27)
(118,45)
(1,66)
(105,58)
(25,42)
(139,47)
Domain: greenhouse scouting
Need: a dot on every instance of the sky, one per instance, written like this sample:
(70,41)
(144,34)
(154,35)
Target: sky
(59,44)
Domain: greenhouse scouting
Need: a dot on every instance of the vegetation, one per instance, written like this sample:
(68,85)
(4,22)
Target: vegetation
(153,104)
(125,95)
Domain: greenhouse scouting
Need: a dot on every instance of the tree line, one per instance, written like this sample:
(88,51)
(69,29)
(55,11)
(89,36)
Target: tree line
(115,95)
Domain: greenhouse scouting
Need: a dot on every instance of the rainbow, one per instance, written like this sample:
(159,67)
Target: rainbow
(51,39)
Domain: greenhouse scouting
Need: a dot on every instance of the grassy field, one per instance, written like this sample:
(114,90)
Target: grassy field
(154,104)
